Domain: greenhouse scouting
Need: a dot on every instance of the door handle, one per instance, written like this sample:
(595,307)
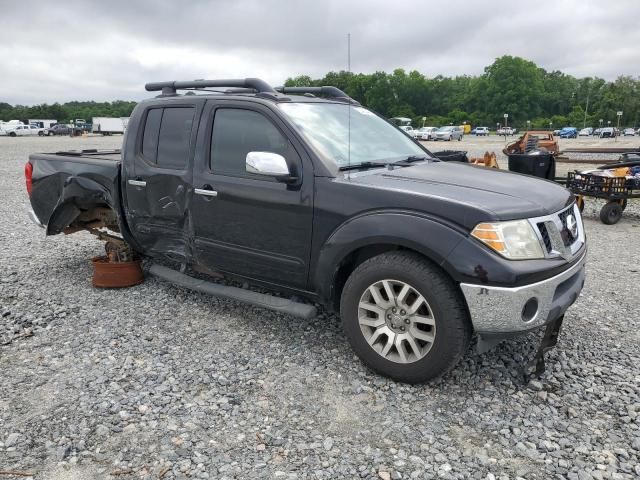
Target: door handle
(138,183)
(206,192)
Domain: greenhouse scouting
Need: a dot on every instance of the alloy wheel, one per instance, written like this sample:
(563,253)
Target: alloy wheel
(396,321)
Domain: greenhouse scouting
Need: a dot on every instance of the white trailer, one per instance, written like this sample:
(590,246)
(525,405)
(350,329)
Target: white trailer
(41,122)
(109,125)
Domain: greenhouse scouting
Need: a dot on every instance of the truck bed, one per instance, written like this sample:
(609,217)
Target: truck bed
(67,183)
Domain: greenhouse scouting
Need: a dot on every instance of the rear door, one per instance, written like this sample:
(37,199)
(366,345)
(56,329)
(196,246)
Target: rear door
(247,224)
(159,177)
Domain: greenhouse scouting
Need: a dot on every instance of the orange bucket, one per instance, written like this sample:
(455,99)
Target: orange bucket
(108,274)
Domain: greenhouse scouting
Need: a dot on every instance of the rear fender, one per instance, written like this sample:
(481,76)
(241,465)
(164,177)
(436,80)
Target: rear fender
(78,194)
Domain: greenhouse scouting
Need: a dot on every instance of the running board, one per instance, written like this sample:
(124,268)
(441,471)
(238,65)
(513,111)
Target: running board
(283,305)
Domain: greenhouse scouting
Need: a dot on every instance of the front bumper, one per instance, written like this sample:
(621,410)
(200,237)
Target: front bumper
(499,310)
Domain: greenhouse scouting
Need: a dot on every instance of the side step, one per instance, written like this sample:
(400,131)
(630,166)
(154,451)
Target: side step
(263,300)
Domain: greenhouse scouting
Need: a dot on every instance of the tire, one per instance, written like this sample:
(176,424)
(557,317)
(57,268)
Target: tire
(41,134)
(50,134)
(12,134)
(444,306)
(611,213)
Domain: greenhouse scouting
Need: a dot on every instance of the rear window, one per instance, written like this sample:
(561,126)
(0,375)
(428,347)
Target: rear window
(167,136)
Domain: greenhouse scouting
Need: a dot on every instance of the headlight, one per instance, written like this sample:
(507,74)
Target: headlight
(514,240)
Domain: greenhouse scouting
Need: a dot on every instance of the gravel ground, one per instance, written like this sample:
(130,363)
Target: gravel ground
(157,382)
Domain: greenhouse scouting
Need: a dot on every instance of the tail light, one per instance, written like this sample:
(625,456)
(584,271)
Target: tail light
(28,176)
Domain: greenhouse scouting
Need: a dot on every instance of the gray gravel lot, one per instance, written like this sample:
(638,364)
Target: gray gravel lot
(158,382)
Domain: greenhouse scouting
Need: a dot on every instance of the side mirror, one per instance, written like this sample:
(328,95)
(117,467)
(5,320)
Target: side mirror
(269,164)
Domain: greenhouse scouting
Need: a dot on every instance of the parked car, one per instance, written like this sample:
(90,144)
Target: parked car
(569,132)
(25,130)
(426,133)
(480,131)
(557,131)
(449,133)
(629,132)
(412,132)
(585,132)
(596,132)
(607,132)
(59,129)
(506,131)
(415,254)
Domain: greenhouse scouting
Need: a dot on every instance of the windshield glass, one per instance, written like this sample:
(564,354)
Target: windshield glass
(445,129)
(372,139)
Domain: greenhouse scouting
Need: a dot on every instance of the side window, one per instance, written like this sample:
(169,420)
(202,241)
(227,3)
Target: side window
(237,132)
(150,136)
(175,137)
(167,136)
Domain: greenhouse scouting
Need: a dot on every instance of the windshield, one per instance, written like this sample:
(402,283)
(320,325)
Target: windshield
(445,129)
(372,139)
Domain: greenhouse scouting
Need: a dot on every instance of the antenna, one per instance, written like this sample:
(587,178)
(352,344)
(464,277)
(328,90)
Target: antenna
(349,106)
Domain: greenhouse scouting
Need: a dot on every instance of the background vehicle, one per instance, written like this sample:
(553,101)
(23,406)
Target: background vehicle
(24,130)
(109,125)
(585,132)
(409,130)
(59,129)
(607,132)
(597,131)
(369,224)
(44,124)
(426,133)
(629,132)
(481,131)
(569,132)
(506,131)
(448,133)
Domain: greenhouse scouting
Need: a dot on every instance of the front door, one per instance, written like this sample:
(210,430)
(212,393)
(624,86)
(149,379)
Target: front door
(247,224)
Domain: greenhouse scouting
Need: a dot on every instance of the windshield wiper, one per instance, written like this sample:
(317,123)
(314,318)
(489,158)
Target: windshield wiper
(410,159)
(356,166)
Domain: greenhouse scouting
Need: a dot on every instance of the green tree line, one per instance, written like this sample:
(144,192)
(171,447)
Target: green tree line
(511,85)
(67,112)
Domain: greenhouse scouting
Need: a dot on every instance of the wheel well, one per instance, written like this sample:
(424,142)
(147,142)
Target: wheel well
(354,259)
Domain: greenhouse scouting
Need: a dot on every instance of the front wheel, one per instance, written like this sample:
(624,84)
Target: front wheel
(12,134)
(404,317)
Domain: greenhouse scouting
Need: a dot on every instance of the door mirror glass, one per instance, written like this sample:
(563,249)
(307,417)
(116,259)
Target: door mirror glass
(267,163)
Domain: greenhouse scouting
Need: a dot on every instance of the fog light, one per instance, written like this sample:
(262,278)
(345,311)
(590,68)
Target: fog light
(530,309)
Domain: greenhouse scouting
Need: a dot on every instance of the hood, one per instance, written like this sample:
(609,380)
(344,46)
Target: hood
(466,194)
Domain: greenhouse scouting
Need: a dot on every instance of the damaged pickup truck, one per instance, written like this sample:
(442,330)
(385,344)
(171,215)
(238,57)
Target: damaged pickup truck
(304,192)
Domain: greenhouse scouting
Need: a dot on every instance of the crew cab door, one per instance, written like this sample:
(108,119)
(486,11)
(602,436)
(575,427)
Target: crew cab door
(157,171)
(247,224)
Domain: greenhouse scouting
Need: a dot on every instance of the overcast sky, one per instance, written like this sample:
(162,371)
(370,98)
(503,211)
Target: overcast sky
(106,50)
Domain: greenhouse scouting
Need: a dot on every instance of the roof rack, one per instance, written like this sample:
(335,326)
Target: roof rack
(325,91)
(241,85)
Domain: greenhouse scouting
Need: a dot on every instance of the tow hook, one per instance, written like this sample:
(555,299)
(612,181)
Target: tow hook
(536,367)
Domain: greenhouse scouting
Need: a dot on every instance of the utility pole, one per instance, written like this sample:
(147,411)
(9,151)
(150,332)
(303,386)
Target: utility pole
(584,124)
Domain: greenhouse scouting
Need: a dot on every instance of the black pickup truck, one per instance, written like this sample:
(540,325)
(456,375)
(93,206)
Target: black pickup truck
(303,192)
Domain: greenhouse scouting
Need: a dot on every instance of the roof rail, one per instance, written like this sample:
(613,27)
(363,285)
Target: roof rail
(326,91)
(171,87)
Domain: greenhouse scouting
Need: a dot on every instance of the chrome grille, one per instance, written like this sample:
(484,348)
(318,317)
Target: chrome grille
(556,237)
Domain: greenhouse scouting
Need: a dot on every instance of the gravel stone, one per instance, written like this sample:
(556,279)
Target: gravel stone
(156,379)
